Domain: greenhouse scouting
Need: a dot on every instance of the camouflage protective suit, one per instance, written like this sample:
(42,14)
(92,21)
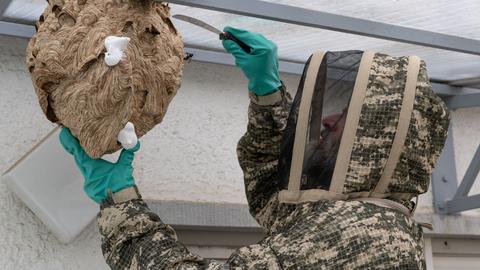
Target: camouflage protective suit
(323,234)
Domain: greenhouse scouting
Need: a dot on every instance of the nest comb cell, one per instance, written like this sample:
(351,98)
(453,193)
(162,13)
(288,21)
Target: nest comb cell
(105,69)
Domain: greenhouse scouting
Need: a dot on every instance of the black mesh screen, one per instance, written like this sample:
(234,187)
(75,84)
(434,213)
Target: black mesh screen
(334,85)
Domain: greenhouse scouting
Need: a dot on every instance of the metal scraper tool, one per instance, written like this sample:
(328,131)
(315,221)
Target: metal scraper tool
(206,26)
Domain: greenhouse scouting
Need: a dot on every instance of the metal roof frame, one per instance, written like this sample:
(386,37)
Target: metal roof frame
(463,101)
(3,7)
(334,22)
(465,82)
(16,30)
(465,96)
(447,198)
(322,20)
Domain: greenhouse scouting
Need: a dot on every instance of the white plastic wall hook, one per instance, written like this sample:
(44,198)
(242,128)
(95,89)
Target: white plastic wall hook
(115,49)
(127,136)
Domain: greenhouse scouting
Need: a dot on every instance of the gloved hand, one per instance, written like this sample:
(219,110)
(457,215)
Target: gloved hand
(260,66)
(100,175)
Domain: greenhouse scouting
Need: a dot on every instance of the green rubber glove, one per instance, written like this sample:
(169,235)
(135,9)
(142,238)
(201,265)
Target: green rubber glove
(260,66)
(100,175)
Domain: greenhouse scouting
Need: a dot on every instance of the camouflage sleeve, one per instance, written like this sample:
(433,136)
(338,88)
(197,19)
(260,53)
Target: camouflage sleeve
(133,237)
(258,152)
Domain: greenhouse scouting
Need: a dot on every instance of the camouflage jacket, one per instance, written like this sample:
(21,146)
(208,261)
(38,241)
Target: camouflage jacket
(320,235)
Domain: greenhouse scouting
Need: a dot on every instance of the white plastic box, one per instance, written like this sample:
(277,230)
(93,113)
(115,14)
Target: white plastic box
(48,181)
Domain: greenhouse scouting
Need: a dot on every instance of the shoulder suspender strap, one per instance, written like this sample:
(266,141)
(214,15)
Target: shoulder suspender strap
(403,124)
(302,122)
(351,123)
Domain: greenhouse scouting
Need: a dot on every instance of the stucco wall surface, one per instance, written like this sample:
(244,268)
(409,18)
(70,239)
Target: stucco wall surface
(25,243)
(190,156)
(466,132)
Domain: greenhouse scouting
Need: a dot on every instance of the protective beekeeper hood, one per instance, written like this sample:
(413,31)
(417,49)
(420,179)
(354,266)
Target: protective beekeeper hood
(362,125)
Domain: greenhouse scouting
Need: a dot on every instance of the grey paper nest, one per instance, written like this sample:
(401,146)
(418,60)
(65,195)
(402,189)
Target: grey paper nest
(78,90)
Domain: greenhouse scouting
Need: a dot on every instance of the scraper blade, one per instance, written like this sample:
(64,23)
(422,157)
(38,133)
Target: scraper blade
(222,35)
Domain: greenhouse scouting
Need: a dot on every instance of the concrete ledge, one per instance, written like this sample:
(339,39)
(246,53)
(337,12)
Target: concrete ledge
(205,216)
(209,224)
(458,226)
(220,219)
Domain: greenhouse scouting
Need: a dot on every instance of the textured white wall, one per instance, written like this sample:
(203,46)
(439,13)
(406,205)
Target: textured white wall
(25,243)
(466,134)
(190,156)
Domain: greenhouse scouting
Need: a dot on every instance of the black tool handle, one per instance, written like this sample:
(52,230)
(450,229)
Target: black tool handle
(227,35)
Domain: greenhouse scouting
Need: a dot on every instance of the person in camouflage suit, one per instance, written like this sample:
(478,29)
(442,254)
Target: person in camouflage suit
(311,234)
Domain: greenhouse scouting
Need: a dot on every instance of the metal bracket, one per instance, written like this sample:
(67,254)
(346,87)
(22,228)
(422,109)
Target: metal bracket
(444,177)
(461,201)
(447,198)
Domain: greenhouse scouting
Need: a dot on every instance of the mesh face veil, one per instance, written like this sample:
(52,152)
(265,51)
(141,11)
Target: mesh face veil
(363,125)
(314,130)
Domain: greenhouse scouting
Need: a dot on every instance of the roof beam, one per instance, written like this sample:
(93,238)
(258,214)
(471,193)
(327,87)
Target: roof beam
(16,30)
(288,66)
(220,57)
(444,90)
(334,22)
(463,101)
(3,7)
(463,204)
(465,82)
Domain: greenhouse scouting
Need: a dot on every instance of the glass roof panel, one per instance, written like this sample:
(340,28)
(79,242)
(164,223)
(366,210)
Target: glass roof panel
(458,18)
(296,42)
(24,10)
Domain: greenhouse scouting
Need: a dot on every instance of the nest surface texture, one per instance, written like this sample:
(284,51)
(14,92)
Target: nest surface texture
(78,90)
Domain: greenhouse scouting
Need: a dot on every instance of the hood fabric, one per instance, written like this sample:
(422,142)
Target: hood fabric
(395,130)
